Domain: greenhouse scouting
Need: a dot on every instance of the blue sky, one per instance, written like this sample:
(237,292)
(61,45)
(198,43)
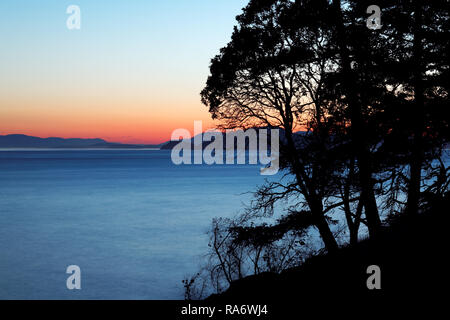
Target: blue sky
(130,60)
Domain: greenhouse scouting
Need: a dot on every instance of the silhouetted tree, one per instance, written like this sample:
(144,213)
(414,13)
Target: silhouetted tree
(372,107)
(270,75)
(408,59)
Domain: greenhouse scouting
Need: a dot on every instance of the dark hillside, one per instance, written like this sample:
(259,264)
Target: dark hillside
(412,254)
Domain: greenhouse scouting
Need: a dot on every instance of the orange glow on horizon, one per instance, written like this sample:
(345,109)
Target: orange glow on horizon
(132,73)
(132,133)
(137,124)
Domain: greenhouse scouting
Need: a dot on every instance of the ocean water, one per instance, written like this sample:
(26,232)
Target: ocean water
(131,220)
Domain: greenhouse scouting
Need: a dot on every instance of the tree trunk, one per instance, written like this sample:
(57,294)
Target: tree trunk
(314,202)
(368,196)
(357,130)
(419,114)
(353,225)
(323,227)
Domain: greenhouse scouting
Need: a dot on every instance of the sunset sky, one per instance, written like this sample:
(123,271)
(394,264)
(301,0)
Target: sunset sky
(132,73)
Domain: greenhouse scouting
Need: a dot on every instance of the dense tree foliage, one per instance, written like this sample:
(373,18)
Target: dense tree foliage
(364,115)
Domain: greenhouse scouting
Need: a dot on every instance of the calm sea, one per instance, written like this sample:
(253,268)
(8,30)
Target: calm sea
(131,220)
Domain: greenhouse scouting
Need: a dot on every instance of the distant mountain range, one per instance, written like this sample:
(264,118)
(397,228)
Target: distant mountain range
(24,141)
(171,144)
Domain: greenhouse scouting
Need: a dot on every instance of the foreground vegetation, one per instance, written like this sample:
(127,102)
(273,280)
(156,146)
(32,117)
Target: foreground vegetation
(373,106)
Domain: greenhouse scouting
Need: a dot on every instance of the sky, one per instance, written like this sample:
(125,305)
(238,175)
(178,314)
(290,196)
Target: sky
(132,73)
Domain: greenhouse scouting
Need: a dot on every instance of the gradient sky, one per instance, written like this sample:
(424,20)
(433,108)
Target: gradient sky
(133,73)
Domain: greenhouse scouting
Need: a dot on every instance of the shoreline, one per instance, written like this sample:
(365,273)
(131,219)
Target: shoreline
(79,149)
